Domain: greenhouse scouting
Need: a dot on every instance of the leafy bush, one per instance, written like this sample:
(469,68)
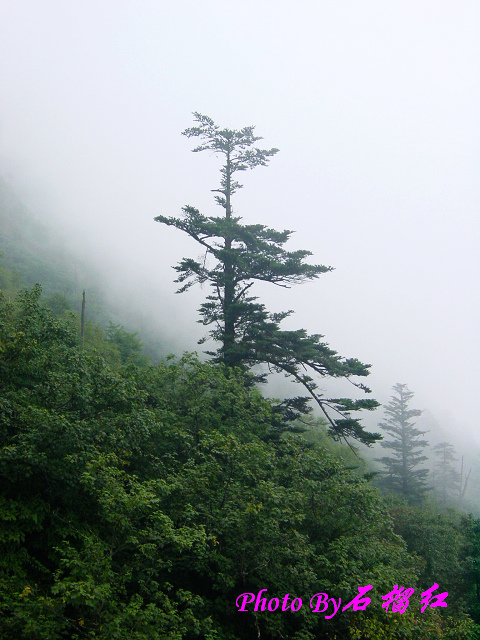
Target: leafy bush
(137,503)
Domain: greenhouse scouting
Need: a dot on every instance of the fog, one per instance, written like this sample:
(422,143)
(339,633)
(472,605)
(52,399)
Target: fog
(374,107)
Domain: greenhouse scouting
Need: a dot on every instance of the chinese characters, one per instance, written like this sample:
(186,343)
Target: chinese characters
(397,598)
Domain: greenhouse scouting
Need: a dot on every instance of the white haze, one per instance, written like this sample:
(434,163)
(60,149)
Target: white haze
(375,108)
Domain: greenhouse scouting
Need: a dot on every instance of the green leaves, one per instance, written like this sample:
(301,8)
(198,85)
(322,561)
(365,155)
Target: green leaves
(139,503)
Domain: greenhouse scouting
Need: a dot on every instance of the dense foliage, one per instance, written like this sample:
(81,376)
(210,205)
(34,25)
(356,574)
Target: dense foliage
(138,502)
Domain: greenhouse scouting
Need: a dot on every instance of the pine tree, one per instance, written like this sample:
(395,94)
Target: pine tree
(445,477)
(402,474)
(237,256)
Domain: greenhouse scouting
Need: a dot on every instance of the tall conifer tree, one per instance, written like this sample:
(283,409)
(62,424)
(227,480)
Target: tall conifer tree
(402,474)
(238,255)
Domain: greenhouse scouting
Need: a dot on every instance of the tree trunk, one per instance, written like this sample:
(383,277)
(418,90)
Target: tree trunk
(229,294)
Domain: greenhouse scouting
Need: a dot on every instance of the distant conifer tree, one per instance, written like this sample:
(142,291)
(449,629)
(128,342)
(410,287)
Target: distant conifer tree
(445,478)
(238,255)
(402,473)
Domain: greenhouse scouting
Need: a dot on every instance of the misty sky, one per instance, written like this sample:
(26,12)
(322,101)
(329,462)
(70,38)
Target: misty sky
(374,107)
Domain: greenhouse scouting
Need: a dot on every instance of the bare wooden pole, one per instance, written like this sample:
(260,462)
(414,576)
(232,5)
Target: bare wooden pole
(82,324)
(461,480)
(463,485)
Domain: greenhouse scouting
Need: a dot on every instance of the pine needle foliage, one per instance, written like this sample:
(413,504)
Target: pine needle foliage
(403,474)
(445,476)
(237,256)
